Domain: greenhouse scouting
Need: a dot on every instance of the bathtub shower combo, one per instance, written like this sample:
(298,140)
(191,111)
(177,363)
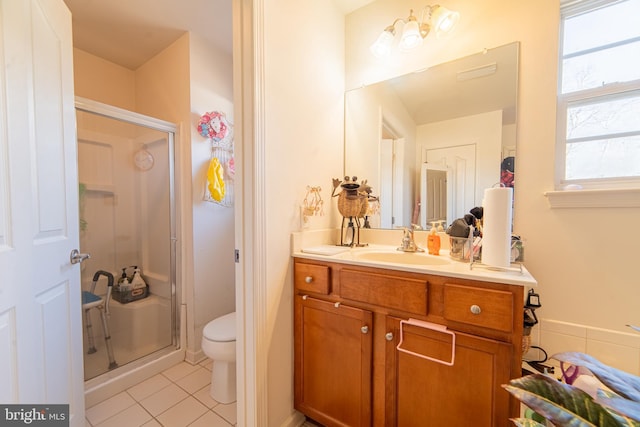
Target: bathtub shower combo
(127,224)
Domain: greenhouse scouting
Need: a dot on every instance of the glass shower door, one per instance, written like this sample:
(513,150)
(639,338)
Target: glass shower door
(126,224)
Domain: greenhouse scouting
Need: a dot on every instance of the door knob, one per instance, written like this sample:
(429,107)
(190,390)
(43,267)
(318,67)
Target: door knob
(76,257)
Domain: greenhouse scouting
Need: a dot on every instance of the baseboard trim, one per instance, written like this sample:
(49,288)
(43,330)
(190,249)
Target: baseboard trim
(194,357)
(296,419)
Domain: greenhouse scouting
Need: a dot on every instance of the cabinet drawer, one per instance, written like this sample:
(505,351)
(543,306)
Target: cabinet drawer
(396,292)
(312,278)
(478,306)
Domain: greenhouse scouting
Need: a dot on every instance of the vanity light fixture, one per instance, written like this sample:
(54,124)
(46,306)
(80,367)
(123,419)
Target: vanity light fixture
(414,31)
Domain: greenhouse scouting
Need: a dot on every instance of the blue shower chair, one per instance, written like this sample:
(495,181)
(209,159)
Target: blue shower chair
(91,300)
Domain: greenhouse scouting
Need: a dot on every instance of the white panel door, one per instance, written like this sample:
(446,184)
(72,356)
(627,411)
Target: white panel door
(40,307)
(461,160)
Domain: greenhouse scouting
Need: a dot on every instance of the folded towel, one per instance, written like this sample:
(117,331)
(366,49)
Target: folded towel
(325,250)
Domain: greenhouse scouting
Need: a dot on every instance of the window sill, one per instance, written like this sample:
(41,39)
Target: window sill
(600,198)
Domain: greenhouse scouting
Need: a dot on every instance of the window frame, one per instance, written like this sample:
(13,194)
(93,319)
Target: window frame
(568,9)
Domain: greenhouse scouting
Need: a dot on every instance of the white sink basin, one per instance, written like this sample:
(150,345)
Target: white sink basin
(413,258)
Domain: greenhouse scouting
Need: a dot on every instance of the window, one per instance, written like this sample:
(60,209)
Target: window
(599,94)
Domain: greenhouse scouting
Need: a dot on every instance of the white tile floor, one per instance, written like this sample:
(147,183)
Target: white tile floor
(177,397)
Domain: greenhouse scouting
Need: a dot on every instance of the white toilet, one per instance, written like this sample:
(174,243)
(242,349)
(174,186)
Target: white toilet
(219,345)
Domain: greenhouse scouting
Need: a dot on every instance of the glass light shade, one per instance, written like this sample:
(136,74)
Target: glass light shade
(411,37)
(382,46)
(444,20)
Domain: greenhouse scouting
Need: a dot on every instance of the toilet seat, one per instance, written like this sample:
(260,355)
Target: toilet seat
(222,329)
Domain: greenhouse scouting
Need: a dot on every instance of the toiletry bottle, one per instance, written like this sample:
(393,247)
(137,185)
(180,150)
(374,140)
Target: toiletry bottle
(125,286)
(433,242)
(121,280)
(137,282)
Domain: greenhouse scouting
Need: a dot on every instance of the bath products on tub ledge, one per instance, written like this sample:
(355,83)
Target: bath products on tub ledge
(137,282)
(130,289)
(123,284)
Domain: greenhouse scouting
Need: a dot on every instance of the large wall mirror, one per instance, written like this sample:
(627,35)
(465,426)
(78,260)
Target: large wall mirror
(429,143)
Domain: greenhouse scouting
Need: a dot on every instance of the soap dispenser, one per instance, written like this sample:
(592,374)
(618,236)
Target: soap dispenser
(123,281)
(125,286)
(137,282)
(433,241)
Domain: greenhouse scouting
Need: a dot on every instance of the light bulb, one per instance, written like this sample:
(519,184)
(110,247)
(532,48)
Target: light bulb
(411,37)
(382,46)
(444,20)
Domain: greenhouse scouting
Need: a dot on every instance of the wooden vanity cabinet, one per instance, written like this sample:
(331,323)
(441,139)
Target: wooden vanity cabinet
(428,393)
(349,371)
(333,354)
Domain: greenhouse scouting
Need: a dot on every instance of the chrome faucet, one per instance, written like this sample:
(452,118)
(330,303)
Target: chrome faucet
(408,242)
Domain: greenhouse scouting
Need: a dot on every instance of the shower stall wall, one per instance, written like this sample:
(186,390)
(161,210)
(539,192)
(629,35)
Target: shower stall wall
(127,220)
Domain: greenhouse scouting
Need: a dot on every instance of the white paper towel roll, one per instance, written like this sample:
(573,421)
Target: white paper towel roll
(496,220)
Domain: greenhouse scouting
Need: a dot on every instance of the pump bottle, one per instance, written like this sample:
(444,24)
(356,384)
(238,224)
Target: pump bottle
(137,282)
(123,282)
(433,241)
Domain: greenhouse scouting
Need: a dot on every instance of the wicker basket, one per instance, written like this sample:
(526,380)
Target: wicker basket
(350,205)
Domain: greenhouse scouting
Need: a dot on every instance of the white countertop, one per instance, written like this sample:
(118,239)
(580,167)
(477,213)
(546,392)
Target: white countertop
(517,274)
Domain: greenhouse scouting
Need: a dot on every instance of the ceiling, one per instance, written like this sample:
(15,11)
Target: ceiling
(479,83)
(130,32)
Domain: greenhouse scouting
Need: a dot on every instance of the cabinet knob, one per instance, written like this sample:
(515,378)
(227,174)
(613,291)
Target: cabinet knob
(308,279)
(365,329)
(389,336)
(475,309)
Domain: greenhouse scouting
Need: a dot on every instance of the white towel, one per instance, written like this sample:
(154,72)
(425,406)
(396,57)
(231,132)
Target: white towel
(325,250)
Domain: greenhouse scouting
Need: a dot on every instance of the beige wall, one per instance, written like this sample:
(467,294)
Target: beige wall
(211,77)
(584,258)
(98,79)
(162,85)
(304,85)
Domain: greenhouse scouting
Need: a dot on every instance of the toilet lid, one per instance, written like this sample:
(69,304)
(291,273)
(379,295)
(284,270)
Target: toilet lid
(222,329)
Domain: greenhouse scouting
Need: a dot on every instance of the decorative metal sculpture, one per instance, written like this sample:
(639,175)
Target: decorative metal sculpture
(353,204)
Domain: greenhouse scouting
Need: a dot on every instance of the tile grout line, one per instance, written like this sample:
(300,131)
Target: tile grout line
(172,380)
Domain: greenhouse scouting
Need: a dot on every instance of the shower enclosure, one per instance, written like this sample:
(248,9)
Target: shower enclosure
(127,220)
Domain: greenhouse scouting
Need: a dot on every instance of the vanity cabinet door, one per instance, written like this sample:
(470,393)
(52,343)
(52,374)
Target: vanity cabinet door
(333,358)
(423,392)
